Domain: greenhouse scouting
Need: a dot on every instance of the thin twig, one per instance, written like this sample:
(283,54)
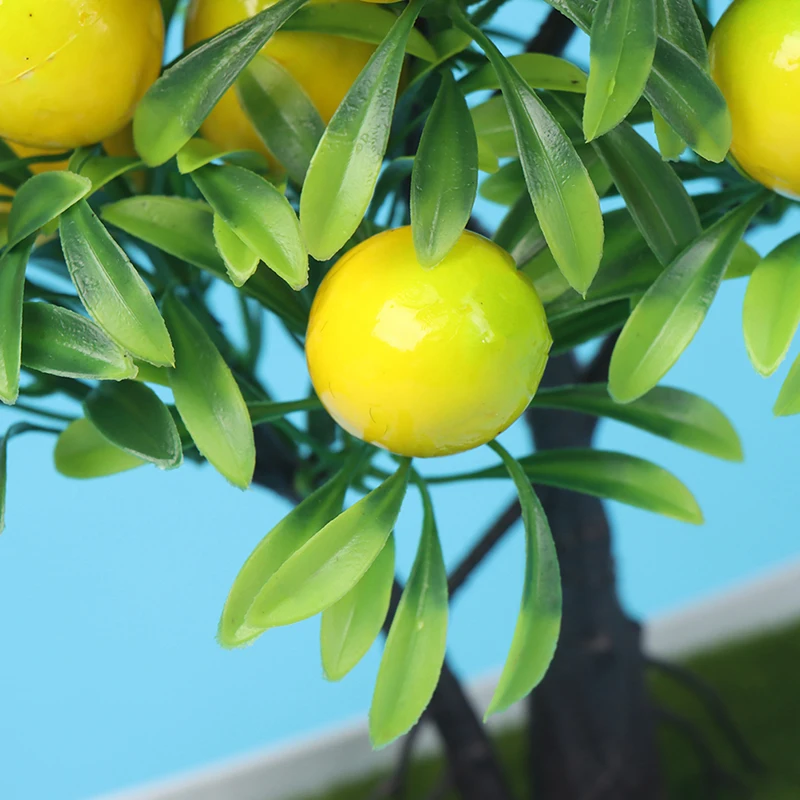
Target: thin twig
(715,707)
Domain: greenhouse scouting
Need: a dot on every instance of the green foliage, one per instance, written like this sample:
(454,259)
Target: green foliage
(83,452)
(12,287)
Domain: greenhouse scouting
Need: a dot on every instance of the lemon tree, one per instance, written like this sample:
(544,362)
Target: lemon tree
(324,159)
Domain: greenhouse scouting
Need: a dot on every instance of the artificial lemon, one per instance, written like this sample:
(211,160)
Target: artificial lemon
(426,362)
(755,60)
(325,66)
(72,71)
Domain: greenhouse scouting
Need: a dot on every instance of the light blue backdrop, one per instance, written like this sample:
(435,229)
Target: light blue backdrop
(110,591)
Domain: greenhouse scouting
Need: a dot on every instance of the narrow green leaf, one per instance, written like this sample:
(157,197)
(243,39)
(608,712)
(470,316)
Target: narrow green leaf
(744,262)
(488,160)
(12,290)
(332,562)
(571,331)
(285,539)
(347,162)
(130,416)
(351,625)
(177,103)
(788,402)
(670,145)
(282,114)
(539,623)
(565,200)
(60,342)
(184,229)
(260,216)
(681,417)
(669,315)
(678,23)
(444,180)
(111,289)
(101,170)
(506,186)
(198,152)
(208,399)
(268,411)
(83,452)
(623,43)
(240,261)
(363,23)
(772,307)
(415,647)
(41,200)
(538,70)
(608,475)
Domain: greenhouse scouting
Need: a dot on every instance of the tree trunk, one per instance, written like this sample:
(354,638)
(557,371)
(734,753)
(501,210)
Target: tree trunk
(593,731)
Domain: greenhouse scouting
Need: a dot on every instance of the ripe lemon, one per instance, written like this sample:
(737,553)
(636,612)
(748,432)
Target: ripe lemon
(755,60)
(325,66)
(426,362)
(72,71)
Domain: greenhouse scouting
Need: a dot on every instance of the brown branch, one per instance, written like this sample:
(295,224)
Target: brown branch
(553,36)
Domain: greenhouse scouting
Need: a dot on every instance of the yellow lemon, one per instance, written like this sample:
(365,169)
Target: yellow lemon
(426,362)
(72,71)
(325,66)
(755,60)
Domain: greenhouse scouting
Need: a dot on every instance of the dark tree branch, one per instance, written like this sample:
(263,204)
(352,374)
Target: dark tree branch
(394,786)
(553,36)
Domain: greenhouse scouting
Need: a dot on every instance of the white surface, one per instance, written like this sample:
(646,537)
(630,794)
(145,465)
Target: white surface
(343,754)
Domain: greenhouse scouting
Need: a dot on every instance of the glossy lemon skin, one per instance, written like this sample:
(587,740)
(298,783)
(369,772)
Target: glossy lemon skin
(426,362)
(325,66)
(73,71)
(755,60)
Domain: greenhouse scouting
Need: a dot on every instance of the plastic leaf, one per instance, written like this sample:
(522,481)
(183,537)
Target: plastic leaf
(670,145)
(678,22)
(666,320)
(282,114)
(130,416)
(198,152)
(41,200)
(83,452)
(285,539)
(240,261)
(415,647)
(101,170)
(444,180)
(351,626)
(348,160)
(681,417)
(12,289)
(260,216)
(208,398)
(111,289)
(506,186)
(60,342)
(177,103)
(788,402)
(539,623)
(333,561)
(772,306)
(538,70)
(623,43)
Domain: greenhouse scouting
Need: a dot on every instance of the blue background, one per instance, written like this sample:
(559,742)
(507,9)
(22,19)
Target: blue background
(110,590)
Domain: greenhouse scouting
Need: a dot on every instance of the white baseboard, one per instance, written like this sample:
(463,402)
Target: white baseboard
(310,766)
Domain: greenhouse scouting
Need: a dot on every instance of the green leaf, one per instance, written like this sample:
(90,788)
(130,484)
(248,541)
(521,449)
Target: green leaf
(184,229)
(130,416)
(576,329)
(539,622)
(623,43)
(83,452)
(504,187)
(333,561)
(493,127)
(282,114)
(538,70)
(772,307)
(269,411)
(488,160)
(208,399)
(670,145)
(678,23)
(565,200)
(788,402)
(350,626)
(285,539)
(177,103)
(673,414)
(12,290)
(101,170)
(347,162)
(260,216)
(415,647)
(605,474)
(60,342)
(669,315)
(41,200)
(744,262)
(240,261)
(364,23)
(198,152)
(111,289)
(444,181)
